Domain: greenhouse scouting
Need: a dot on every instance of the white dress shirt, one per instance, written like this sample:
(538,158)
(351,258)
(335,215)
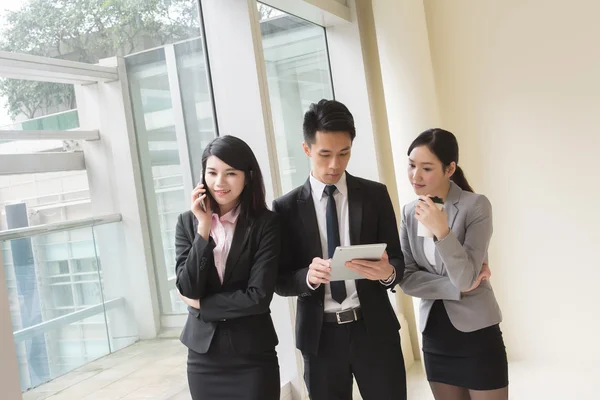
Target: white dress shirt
(341,204)
(429,250)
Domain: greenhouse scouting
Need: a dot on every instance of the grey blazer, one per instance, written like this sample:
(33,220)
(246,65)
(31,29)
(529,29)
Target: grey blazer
(459,258)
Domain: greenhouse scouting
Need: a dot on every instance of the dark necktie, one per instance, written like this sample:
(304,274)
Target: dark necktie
(338,288)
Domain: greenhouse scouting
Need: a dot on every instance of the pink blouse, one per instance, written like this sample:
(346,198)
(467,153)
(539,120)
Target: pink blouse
(222,230)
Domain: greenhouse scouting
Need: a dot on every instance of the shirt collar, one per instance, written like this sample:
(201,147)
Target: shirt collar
(230,217)
(318,187)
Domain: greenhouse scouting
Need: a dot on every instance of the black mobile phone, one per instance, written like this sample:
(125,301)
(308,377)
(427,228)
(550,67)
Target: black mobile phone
(435,199)
(208,197)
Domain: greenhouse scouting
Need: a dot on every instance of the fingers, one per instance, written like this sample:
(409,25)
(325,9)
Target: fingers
(363,263)
(426,201)
(319,271)
(199,200)
(320,262)
(317,277)
(426,204)
(421,208)
(367,272)
(197,191)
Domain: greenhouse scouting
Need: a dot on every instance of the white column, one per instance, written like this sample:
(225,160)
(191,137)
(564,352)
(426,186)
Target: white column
(407,74)
(350,87)
(410,96)
(9,366)
(239,80)
(115,183)
(243,109)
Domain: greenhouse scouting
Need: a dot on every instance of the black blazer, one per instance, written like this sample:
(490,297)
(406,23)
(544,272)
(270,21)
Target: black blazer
(242,302)
(372,220)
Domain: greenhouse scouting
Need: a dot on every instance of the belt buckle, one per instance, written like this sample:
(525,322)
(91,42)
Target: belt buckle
(340,322)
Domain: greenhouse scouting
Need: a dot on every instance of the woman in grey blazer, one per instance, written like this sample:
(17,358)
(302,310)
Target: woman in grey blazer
(463,349)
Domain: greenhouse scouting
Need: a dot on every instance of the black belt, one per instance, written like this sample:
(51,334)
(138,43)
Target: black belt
(343,317)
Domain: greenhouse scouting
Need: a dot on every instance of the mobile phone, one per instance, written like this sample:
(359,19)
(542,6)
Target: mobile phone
(203,202)
(435,199)
(208,197)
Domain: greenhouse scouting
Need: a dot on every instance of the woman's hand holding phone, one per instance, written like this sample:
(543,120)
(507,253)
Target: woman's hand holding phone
(201,209)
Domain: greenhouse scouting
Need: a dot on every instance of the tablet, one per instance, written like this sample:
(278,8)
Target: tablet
(339,272)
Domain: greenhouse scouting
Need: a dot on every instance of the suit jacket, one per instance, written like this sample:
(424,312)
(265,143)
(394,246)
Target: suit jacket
(459,258)
(242,302)
(372,220)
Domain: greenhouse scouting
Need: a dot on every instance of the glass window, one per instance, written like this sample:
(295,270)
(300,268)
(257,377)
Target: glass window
(88,32)
(298,74)
(174,121)
(196,100)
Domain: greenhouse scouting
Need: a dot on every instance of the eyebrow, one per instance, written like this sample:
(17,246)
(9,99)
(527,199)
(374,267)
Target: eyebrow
(214,169)
(329,151)
(425,163)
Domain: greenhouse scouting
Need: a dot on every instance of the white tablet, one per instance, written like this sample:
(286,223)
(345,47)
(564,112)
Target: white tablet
(339,272)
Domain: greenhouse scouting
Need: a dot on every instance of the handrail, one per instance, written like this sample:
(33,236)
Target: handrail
(30,231)
(67,319)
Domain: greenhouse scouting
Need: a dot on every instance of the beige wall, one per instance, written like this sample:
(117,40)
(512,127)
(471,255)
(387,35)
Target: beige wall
(404,99)
(519,83)
(407,75)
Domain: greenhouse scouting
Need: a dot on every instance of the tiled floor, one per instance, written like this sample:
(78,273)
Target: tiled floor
(155,369)
(151,369)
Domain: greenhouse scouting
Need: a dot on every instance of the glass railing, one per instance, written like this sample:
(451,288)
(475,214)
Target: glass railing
(67,288)
(62,121)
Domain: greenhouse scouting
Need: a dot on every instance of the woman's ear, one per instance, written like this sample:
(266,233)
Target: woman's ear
(450,169)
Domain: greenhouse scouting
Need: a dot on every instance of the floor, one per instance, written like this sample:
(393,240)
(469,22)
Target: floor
(155,369)
(150,369)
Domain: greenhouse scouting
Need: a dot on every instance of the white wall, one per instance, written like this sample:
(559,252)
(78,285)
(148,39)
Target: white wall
(518,82)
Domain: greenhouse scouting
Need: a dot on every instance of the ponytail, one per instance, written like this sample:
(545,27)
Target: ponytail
(459,178)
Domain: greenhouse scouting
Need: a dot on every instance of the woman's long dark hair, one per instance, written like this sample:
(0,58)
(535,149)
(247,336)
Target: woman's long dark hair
(237,154)
(444,145)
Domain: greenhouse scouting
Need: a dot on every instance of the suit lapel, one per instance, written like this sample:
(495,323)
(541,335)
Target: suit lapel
(240,238)
(308,216)
(355,208)
(451,206)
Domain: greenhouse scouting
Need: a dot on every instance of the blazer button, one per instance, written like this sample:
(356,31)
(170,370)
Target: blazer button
(202,263)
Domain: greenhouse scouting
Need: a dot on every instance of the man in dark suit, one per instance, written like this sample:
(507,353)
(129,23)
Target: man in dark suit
(343,328)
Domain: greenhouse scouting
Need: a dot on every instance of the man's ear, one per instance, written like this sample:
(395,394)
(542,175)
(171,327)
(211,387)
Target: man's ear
(306,148)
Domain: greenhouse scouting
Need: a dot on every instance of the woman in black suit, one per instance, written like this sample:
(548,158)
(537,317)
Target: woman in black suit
(227,249)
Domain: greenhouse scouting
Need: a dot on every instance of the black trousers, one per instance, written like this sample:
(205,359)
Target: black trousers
(347,350)
(223,374)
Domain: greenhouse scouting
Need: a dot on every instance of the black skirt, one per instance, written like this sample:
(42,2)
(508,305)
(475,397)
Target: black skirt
(473,360)
(223,374)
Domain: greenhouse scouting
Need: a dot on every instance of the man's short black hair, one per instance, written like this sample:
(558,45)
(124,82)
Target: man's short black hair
(327,116)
